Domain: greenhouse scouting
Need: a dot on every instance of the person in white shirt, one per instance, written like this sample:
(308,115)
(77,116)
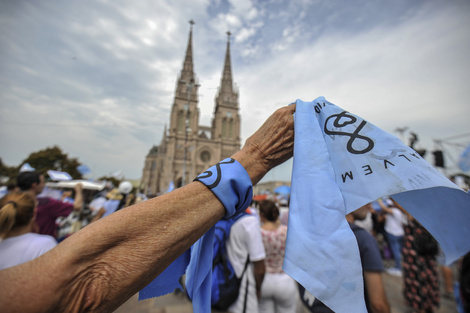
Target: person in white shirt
(245,245)
(18,244)
(394,229)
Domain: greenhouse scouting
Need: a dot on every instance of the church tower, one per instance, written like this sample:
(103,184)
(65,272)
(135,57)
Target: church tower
(187,148)
(184,110)
(226,120)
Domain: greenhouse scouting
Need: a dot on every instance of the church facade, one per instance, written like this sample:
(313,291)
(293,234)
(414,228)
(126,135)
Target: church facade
(187,148)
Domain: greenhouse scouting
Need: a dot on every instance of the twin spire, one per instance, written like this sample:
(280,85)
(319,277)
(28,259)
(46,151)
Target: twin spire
(187,73)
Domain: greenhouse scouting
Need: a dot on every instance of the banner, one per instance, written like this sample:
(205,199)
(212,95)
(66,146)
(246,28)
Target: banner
(342,162)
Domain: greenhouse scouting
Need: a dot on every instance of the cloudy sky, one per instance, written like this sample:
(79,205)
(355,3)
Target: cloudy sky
(97,78)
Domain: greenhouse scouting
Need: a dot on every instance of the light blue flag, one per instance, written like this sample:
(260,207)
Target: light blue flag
(27,168)
(168,280)
(199,273)
(342,162)
(83,169)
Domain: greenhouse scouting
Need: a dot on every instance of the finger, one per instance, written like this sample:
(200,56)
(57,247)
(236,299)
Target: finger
(292,107)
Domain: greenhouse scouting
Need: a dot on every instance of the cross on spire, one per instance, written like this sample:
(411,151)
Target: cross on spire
(191,22)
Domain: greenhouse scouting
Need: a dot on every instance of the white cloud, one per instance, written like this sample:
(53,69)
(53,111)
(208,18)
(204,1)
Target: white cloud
(244,34)
(108,71)
(394,76)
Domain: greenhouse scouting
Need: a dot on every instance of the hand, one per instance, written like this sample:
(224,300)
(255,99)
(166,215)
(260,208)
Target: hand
(271,145)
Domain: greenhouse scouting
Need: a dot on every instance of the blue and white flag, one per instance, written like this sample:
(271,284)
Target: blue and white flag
(56,175)
(342,162)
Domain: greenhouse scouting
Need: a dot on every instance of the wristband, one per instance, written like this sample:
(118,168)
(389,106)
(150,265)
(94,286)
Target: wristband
(230,183)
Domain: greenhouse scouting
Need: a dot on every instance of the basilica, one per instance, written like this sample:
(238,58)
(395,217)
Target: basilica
(187,148)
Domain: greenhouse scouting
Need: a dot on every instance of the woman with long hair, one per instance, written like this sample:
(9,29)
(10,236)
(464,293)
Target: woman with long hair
(278,291)
(18,244)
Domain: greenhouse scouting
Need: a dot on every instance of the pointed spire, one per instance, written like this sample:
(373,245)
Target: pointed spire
(227,94)
(188,73)
(227,84)
(164,136)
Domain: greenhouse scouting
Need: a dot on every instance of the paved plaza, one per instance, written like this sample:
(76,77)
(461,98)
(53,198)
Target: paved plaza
(179,304)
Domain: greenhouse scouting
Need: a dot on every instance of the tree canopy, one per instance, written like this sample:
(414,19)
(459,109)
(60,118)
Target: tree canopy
(44,160)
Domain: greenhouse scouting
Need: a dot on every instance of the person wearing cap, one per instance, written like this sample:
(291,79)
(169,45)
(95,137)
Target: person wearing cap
(115,200)
(101,266)
(395,221)
(48,209)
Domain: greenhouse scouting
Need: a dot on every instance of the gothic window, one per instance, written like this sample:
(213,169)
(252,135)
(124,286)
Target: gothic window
(224,128)
(230,129)
(180,121)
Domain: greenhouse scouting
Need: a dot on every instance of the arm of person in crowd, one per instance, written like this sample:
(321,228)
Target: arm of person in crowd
(98,215)
(78,200)
(104,264)
(259,271)
(399,207)
(385,208)
(376,293)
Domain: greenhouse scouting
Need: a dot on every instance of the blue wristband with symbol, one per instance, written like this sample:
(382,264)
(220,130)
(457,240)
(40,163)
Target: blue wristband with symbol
(230,183)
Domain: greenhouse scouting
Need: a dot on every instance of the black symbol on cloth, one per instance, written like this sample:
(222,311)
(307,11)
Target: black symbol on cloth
(343,119)
(209,173)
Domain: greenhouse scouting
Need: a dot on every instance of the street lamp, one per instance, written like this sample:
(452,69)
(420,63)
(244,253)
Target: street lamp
(190,86)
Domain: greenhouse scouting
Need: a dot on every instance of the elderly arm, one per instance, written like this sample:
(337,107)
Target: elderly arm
(100,267)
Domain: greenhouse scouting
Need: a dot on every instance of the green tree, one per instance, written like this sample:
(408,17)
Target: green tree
(111,179)
(7,173)
(53,159)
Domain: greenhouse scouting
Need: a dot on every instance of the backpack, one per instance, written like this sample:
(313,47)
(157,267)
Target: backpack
(225,283)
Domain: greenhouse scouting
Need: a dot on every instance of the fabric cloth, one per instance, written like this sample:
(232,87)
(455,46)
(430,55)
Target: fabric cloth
(245,241)
(236,193)
(279,291)
(370,261)
(48,210)
(342,162)
(23,248)
(231,184)
(274,242)
(420,274)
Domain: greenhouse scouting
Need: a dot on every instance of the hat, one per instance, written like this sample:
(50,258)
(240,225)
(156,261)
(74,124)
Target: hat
(114,195)
(125,187)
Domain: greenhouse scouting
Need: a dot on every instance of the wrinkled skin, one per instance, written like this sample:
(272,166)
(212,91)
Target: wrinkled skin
(104,264)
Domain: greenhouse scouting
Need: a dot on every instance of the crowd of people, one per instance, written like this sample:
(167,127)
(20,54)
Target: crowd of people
(390,241)
(33,220)
(99,275)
